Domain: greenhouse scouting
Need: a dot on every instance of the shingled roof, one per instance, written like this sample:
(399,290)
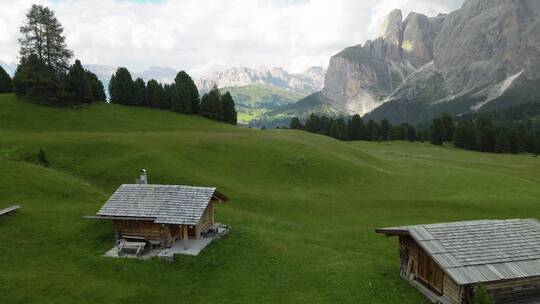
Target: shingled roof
(164,204)
(480,251)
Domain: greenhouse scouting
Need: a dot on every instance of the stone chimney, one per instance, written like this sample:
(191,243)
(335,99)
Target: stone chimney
(144,178)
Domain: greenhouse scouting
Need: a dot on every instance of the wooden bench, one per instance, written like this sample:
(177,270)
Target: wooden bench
(131,247)
(9,210)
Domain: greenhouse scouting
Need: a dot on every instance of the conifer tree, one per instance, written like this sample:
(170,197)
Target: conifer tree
(121,87)
(296,124)
(154,93)
(5,82)
(502,145)
(229,111)
(356,128)
(385,129)
(98,92)
(313,124)
(185,97)
(372,131)
(139,92)
(447,127)
(42,35)
(436,135)
(34,79)
(79,88)
(211,106)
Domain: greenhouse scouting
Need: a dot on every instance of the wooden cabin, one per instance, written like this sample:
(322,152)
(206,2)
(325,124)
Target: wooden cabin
(448,262)
(161,214)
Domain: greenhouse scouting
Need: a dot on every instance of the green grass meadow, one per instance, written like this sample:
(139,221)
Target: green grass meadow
(302,213)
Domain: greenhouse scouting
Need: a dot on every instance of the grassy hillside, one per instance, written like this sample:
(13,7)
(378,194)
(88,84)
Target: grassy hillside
(302,213)
(256,100)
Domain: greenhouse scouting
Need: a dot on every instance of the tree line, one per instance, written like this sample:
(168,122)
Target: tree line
(485,134)
(181,96)
(356,129)
(44,75)
(478,133)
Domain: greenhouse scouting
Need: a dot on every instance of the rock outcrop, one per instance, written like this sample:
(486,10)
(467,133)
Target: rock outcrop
(455,63)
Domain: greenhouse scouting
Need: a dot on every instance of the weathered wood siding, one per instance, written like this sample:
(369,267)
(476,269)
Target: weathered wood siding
(516,290)
(207,218)
(147,229)
(409,255)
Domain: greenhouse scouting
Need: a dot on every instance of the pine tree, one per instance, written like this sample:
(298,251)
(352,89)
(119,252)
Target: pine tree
(154,94)
(79,88)
(42,35)
(5,82)
(296,124)
(385,129)
(121,87)
(211,106)
(139,92)
(372,131)
(502,144)
(447,127)
(229,111)
(35,80)
(436,135)
(185,98)
(313,124)
(96,86)
(356,128)
(537,152)
(487,138)
(411,133)
(465,135)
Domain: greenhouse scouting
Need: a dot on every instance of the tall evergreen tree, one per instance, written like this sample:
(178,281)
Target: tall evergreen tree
(211,106)
(154,94)
(447,127)
(98,91)
(385,129)
(139,92)
(372,131)
(36,80)
(465,135)
(356,128)
(502,144)
(296,124)
(437,132)
(79,88)
(229,110)
(411,133)
(185,98)
(121,87)
(42,35)
(313,124)
(5,82)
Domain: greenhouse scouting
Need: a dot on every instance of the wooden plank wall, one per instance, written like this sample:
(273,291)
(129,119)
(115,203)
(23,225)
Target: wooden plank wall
(147,229)
(516,290)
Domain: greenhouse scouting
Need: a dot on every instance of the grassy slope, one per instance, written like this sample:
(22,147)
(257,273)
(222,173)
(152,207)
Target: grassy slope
(302,213)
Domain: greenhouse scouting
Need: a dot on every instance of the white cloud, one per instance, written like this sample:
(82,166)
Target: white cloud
(200,36)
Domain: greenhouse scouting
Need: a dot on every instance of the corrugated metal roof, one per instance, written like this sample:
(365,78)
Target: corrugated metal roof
(480,251)
(164,204)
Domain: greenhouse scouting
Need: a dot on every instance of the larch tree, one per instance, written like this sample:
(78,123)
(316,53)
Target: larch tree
(42,35)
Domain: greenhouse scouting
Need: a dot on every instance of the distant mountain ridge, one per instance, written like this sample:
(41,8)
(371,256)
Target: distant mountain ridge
(310,81)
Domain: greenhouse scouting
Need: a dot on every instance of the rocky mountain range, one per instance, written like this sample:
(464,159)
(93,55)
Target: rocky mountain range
(310,81)
(485,55)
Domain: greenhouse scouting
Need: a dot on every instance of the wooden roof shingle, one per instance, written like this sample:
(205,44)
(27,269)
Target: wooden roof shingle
(480,251)
(164,204)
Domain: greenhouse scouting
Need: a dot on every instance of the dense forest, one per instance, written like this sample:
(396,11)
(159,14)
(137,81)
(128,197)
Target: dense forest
(44,75)
(512,130)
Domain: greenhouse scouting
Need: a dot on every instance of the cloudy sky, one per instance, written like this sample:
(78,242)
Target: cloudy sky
(202,36)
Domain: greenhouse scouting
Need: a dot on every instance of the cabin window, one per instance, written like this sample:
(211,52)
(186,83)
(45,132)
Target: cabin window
(429,272)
